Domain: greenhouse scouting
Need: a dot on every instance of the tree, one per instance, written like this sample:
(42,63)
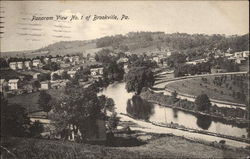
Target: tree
(203,102)
(36,129)
(113,121)
(65,75)
(52,66)
(139,77)
(55,76)
(43,101)
(14,120)
(174,96)
(175,59)
(78,110)
(36,84)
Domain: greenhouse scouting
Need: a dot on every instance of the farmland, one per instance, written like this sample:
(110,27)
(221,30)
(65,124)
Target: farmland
(231,88)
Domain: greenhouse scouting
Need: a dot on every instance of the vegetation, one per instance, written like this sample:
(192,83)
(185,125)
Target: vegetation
(15,122)
(223,112)
(203,103)
(231,88)
(137,78)
(44,99)
(79,110)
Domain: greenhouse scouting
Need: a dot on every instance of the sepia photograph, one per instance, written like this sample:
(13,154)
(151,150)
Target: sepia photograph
(124,79)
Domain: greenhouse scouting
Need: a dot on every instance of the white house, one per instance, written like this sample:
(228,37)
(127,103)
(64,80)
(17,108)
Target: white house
(3,84)
(27,64)
(122,60)
(20,65)
(35,75)
(71,73)
(13,65)
(96,71)
(125,67)
(13,84)
(36,63)
(246,54)
(45,85)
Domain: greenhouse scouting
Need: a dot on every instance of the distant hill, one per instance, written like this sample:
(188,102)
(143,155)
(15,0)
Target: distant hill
(193,45)
(58,48)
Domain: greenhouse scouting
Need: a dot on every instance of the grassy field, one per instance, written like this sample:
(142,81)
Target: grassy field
(30,101)
(156,147)
(197,86)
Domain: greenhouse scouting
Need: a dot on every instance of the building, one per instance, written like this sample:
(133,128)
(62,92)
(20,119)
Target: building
(3,85)
(20,65)
(238,54)
(96,71)
(246,54)
(45,85)
(218,70)
(125,67)
(156,59)
(35,75)
(46,60)
(36,63)
(71,73)
(54,59)
(27,64)
(13,65)
(13,84)
(92,59)
(122,60)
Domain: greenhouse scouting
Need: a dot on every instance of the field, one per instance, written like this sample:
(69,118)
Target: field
(231,90)
(159,146)
(30,101)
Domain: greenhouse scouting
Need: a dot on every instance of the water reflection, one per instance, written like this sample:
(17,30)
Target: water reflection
(175,113)
(139,108)
(203,121)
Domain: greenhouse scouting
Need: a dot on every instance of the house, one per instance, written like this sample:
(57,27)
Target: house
(13,84)
(46,60)
(54,59)
(71,59)
(239,60)
(36,63)
(218,70)
(122,60)
(13,65)
(156,59)
(3,85)
(125,67)
(92,59)
(96,71)
(238,54)
(76,58)
(20,65)
(27,64)
(71,73)
(246,54)
(35,75)
(45,85)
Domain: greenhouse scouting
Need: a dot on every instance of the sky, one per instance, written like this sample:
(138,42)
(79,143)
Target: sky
(208,17)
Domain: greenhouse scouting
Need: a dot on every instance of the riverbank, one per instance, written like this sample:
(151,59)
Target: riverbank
(166,101)
(229,115)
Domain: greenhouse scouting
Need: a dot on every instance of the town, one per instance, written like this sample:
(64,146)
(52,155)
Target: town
(152,80)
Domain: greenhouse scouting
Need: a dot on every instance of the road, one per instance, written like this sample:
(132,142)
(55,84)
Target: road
(148,127)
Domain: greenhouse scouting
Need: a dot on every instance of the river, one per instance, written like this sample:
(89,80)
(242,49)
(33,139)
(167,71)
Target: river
(127,103)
